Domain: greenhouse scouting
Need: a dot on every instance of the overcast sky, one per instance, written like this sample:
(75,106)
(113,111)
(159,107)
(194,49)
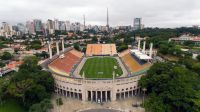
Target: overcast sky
(154,13)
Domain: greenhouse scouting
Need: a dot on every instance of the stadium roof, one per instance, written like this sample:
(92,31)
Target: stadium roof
(140,55)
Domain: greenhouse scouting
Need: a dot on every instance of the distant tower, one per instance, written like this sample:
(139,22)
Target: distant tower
(84,21)
(137,23)
(107,25)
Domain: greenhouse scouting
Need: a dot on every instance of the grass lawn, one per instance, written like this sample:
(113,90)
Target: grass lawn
(196,48)
(101,67)
(11,106)
(170,57)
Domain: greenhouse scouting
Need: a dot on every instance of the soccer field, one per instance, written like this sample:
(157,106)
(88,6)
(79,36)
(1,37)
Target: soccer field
(101,67)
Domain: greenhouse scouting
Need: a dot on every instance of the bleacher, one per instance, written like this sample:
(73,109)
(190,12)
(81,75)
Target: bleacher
(101,49)
(66,63)
(141,62)
(133,63)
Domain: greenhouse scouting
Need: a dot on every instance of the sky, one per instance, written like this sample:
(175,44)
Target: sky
(154,13)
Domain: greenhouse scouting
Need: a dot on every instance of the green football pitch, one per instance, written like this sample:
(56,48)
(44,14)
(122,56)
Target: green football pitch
(101,67)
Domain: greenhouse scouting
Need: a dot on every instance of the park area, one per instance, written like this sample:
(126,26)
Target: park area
(101,67)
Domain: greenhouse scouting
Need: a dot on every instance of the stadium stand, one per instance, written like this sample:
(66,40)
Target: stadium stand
(133,63)
(77,53)
(121,54)
(101,49)
(65,64)
(141,62)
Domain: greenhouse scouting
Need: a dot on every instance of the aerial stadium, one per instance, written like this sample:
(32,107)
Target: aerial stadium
(99,75)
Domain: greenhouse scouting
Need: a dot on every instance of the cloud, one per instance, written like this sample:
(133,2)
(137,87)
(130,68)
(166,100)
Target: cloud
(155,13)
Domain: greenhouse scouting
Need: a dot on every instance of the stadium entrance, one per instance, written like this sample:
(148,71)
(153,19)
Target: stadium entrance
(99,96)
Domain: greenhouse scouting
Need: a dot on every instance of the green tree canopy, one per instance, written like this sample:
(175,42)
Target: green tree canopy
(198,58)
(43,106)
(31,84)
(6,56)
(176,87)
(77,46)
(2,64)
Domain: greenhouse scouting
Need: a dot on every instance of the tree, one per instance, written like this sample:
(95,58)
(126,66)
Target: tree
(31,84)
(198,58)
(59,101)
(189,43)
(3,89)
(2,64)
(94,39)
(42,55)
(163,49)
(6,56)
(19,89)
(196,68)
(77,47)
(122,47)
(84,50)
(36,44)
(176,89)
(43,106)
(156,104)
(2,45)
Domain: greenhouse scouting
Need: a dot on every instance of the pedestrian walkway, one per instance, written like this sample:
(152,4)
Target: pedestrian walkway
(73,105)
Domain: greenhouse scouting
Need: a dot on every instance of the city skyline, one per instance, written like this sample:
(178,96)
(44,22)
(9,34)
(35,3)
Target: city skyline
(155,13)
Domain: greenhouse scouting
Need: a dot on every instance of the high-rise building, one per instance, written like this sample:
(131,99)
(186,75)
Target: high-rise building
(137,23)
(5,27)
(6,30)
(50,26)
(21,28)
(15,28)
(77,26)
(44,29)
(96,28)
(30,27)
(62,26)
(68,25)
(56,24)
(38,25)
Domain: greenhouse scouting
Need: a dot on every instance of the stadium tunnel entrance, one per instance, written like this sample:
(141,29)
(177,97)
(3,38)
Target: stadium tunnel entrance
(99,96)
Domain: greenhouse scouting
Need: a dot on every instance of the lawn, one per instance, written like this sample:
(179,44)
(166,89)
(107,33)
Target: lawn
(171,57)
(11,106)
(101,67)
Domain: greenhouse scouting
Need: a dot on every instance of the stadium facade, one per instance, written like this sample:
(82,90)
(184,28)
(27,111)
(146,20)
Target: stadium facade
(65,67)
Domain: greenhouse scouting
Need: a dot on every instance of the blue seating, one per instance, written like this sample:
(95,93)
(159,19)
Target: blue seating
(141,62)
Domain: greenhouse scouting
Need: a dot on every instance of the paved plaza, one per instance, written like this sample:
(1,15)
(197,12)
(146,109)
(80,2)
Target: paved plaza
(74,105)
